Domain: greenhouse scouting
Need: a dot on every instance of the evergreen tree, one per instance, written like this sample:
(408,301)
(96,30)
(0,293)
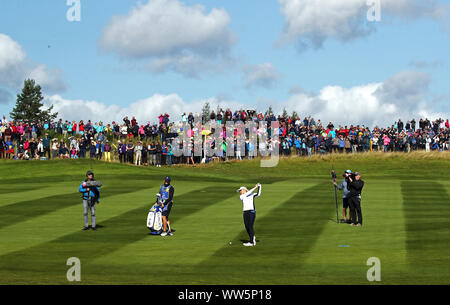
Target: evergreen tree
(285,113)
(206,111)
(269,111)
(29,104)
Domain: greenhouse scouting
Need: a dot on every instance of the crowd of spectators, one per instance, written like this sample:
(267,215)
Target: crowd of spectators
(151,144)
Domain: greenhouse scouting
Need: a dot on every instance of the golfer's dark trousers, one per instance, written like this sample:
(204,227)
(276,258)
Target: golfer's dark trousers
(355,210)
(249,220)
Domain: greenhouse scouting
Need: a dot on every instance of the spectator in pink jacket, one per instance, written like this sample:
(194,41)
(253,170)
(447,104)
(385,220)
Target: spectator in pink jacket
(386,142)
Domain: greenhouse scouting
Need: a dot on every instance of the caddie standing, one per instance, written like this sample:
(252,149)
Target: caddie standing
(166,192)
(91,197)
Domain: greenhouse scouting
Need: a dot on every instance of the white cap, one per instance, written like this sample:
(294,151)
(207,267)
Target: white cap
(242,188)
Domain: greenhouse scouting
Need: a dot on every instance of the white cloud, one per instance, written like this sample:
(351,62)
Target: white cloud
(403,95)
(309,23)
(189,64)
(264,75)
(12,58)
(11,53)
(50,79)
(145,110)
(15,67)
(171,35)
(406,89)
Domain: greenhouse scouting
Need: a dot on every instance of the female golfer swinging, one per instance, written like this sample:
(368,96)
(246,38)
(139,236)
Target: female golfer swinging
(248,203)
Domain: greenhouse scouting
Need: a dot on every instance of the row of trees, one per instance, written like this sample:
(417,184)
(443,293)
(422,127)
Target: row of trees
(206,111)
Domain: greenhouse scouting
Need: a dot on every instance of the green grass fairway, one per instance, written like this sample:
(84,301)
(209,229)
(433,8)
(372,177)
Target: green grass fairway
(406,210)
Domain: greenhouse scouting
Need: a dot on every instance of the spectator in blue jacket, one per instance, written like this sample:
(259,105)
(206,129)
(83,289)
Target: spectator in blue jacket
(9,149)
(101,137)
(298,145)
(99,149)
(341,144)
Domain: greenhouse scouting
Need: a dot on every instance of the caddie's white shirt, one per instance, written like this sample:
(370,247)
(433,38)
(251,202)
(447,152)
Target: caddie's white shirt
(248,199)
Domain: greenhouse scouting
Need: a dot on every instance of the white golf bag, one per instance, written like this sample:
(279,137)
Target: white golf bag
(154,218)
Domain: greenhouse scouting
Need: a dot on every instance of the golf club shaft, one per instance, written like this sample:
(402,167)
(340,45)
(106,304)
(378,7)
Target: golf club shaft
(337,209)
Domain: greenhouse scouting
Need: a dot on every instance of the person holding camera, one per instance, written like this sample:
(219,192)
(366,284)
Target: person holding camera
(90,188)
(355,187)
(345,196)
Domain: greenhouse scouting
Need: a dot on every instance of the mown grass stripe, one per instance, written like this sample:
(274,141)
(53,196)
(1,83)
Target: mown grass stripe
(69,220)
(24,210)
(286,236)
(56,224)
(427,213)
(112,235)
(36,191)
(15,188)
(382,235)
(201,234)
(150,175)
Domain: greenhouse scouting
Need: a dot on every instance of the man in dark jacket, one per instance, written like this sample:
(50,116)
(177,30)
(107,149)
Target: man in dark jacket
(158,151)
(355,187)
(84,144)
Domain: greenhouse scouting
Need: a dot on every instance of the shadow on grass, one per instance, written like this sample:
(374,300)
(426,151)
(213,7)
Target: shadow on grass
(286,236)
(48,259)
(426,206)
(47,180)
(25,210)
(17,188)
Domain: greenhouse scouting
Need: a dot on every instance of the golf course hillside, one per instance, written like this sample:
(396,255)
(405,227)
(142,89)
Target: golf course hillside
(405,206)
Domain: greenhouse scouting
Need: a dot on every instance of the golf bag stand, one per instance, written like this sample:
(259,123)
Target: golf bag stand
(154,218)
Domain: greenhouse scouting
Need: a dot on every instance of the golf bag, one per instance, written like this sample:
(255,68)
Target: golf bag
(154,218)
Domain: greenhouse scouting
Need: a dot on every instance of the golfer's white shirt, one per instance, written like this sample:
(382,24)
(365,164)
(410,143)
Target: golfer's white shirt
(248,199)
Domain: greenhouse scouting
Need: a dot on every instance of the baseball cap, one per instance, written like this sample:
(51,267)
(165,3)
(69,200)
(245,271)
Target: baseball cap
(242,188)
(348,171)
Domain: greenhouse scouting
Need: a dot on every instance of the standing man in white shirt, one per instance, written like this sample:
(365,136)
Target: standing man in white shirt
(248,202)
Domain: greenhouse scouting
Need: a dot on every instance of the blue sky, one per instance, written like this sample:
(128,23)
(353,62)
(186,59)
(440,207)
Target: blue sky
(295,79)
